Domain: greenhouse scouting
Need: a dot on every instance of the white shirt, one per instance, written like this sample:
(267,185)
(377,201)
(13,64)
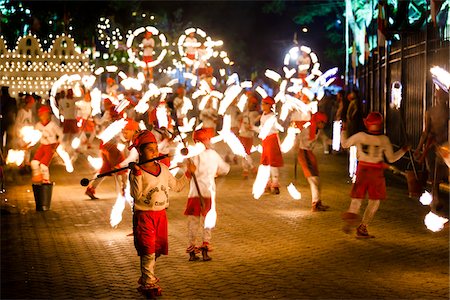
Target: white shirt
(247,127)
(371,148)
(84,109)
(151,192)
(68,109)
(209,117)
(209,165)
(264,119)
(51,133)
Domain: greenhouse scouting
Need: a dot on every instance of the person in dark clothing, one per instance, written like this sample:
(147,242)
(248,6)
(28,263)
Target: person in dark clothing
(8,114)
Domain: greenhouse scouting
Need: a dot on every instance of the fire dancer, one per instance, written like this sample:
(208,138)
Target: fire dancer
(85,114)
(148,43)
(191,51)
(111,156)
(209,164)
(24,118)
(372,147)
(308,137)
(150,185)
(209,117)
(435,135)
(250,117)
(68,109)
(178,103)
(51,137)
(271,153)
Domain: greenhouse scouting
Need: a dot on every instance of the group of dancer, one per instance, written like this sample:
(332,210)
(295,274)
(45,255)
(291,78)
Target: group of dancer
(150,180)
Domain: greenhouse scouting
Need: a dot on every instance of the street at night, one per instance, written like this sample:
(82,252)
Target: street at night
(225,149)
(273,247)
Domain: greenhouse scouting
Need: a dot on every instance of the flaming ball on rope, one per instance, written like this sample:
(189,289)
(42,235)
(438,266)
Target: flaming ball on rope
(135,59)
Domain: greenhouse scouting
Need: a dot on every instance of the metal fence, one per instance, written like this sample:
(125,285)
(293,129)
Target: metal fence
(407,61)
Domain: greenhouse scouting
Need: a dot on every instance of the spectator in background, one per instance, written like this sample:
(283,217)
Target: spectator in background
(8,115)
(354,115)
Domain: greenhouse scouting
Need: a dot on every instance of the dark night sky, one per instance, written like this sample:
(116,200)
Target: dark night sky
(264,37)
(253,39)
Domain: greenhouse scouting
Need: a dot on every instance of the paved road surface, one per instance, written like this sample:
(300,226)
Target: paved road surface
(273,247)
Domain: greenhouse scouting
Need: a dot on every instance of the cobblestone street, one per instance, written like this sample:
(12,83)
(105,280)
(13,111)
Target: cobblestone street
(274,247)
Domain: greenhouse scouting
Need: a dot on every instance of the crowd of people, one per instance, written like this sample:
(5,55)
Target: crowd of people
(150,139)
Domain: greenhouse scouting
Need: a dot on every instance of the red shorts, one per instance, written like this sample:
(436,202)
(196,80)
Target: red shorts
(370,180)
(88,125)
(70,126)
(150,232)
(147,59)
(111,157)
(271,154)
(308,161)
(45,153)
(190,56)
(201,71)
(247,142)
(194,206)
(210,132)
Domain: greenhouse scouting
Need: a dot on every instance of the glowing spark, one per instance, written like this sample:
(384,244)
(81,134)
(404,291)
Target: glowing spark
(246,84)
(95,162)
(122,105)
(65,157)
(121,147)
(230,94)
(172,82)
(203,102)
(261,92)
(116,213)
(289,140)
(306,91)
(262,178)
(396,94)
(76,143)
(353,162)
(288,73)
(99,71)
(15,157)
(211,216)
(188,125)
(111,69)
(96,99)
(267,127)
(233,79)
(272,75)
(112,130)
(434,222)
(242,101)
(29,135)
(257,148)
(295,194)
(161,115)
(442,77)
(193,150)
(426,198)
(122,75)
(336,144)
(187,105)
(230,138)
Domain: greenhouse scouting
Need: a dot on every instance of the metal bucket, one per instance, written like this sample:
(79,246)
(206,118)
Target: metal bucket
(416,186)
(43,195)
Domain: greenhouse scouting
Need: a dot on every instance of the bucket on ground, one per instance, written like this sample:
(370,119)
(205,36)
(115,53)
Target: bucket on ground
(43,195)
(416,185)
